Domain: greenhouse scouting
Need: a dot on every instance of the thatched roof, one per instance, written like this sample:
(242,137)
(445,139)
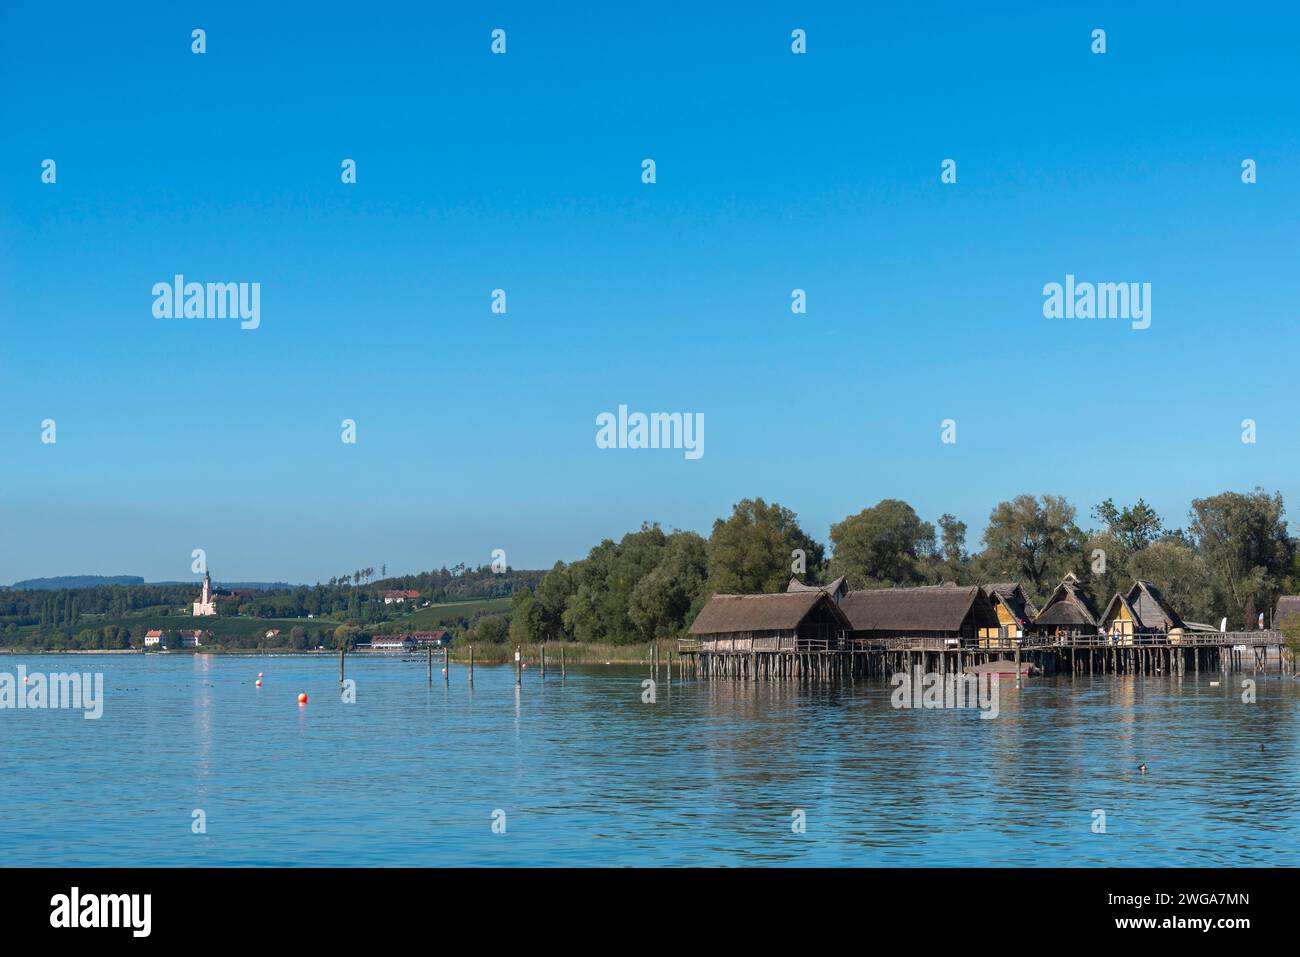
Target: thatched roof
(1069,606)
(928,608)
(1013,598)
(1112,609)
(1287,605)
(739,614)
(840,584)
(1163,618)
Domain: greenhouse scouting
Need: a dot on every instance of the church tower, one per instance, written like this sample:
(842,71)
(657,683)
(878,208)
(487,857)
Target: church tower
(207,603)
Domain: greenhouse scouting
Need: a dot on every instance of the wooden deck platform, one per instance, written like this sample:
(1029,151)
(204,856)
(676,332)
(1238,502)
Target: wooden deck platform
(1148,654)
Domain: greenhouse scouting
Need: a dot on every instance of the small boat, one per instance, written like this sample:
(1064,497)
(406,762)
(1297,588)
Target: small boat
(1001,668)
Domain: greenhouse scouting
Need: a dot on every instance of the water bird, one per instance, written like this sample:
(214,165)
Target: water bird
(1143,768)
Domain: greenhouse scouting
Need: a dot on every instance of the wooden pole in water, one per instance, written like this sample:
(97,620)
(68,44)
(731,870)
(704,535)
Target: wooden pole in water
(519,662)
(429,664)
(446,664)
(471,666)
(341,653)
(562,669)
(543,651)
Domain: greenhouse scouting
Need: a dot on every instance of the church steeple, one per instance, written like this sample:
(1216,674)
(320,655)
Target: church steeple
(207,601)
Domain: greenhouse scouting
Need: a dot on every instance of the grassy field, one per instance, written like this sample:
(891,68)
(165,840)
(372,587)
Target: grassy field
(438,616)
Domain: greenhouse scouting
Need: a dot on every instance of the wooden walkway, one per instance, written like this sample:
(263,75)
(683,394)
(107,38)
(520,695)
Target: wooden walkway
(1077,653)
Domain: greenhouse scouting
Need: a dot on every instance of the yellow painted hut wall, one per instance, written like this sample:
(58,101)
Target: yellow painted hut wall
(1006,630)
(1121,624)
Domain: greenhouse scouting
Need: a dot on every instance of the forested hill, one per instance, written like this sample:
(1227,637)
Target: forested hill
(115,615)
(73,581)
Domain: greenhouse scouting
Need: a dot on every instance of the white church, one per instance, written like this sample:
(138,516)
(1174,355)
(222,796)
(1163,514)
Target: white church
(206,605)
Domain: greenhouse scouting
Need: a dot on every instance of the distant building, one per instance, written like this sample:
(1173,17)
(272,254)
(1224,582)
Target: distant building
(153,639)
(273,633)
(190,639)
(438,637)
(398,597)
(206,605)
(391,643)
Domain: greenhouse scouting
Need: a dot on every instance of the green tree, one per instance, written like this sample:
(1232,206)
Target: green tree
(664,602)
(527,621)
(753,550)
(1244,543)
(490,629)
(884,544)
(1290,627)
(1134,527)
(1035,541)
(553,593)
(345,636)
(952,540)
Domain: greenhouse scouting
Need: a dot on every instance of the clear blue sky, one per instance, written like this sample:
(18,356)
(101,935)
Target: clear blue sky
(522,171)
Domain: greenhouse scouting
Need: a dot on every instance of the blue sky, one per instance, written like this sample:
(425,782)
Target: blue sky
(775,171)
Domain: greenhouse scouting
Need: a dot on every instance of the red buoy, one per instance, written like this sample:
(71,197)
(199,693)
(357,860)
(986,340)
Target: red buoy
(302,698)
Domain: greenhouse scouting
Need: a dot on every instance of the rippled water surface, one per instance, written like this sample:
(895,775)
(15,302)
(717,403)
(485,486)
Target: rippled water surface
(587,774)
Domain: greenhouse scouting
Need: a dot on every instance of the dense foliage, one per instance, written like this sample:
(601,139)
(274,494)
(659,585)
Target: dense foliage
(1233,560)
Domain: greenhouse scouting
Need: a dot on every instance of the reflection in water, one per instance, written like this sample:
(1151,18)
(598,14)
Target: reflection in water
(590,774)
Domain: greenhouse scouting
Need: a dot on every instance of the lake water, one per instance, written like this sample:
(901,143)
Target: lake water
(588,774)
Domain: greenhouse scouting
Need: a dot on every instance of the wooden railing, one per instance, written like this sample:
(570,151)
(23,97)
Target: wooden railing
(1188,639)
(788,644)
(792,644)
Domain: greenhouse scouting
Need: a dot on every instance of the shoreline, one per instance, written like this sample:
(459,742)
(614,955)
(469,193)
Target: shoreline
(632,655)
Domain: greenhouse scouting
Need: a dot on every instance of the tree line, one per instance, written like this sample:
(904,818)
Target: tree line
(1232,559)
(104,616)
